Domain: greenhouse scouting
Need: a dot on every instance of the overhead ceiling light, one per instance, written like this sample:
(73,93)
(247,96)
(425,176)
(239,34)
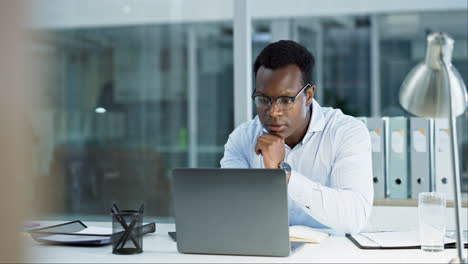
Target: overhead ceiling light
(100,110)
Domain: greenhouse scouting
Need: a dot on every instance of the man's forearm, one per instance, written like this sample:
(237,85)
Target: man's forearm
(343,210)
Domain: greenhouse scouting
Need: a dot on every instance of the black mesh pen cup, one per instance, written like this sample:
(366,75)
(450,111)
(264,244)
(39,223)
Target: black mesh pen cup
(127,236)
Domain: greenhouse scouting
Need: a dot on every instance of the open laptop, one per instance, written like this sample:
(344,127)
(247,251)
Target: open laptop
(232,211)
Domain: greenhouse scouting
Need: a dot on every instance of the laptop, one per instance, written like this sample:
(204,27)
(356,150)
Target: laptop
(232,212)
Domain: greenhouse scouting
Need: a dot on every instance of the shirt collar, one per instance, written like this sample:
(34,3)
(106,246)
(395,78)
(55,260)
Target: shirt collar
(317,121)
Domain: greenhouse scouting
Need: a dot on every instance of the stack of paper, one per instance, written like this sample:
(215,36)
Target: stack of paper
(80,239)
(306,234)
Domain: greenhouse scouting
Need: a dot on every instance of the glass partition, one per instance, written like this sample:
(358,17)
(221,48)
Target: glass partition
(118,117)
(129,95)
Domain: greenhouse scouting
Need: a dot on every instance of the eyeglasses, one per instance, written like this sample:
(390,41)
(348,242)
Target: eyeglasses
(283,103)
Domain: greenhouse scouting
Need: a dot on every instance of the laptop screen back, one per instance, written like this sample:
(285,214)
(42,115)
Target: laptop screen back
(231,211)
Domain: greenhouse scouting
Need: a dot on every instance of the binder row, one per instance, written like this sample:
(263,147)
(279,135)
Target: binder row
(409,156)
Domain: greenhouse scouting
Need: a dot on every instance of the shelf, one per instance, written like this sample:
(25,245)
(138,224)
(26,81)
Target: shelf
(409,202)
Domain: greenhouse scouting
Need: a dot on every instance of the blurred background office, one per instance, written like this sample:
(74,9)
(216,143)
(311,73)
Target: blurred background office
(131,89)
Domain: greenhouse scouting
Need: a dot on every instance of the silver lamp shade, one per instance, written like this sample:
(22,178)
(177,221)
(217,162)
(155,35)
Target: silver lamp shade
(425,90)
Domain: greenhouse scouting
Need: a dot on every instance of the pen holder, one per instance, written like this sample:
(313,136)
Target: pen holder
(127,235)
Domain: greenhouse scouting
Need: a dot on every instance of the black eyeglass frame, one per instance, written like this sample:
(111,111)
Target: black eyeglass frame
(292,98)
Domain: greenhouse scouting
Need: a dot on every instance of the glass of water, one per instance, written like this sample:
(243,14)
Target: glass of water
(431,208)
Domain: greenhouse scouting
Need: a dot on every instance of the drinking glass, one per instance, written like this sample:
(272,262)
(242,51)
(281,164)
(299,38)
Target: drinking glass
(431,209)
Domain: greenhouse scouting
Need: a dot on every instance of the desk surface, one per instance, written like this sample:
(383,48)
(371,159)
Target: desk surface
(159,247)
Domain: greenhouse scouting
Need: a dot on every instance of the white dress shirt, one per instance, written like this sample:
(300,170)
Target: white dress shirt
(331,180)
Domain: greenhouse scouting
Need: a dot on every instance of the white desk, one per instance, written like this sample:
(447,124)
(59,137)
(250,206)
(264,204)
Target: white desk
(159,247)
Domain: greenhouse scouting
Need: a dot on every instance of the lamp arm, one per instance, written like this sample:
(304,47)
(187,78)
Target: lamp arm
(456,169)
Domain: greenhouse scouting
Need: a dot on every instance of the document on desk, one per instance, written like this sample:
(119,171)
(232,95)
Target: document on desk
(77,239)
(77,233)
(71,239)
(394,239)
(390,240)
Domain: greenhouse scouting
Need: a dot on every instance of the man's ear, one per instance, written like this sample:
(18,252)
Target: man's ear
(310,94)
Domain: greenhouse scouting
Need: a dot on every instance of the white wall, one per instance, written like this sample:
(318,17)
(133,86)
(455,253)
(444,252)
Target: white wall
(93,13)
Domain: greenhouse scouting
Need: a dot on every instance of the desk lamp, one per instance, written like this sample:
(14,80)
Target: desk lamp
(435,89)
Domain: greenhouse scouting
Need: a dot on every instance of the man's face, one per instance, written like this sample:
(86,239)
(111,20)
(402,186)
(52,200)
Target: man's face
(286,81)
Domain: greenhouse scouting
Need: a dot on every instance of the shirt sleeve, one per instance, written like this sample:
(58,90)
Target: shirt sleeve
(346,205)
(234,152)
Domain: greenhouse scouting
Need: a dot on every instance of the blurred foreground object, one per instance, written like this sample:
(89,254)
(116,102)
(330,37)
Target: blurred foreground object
(15,140)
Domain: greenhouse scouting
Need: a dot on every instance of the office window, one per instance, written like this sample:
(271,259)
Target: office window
(344,61)
(347,64)
(119,112)
(403,45)
(131,92)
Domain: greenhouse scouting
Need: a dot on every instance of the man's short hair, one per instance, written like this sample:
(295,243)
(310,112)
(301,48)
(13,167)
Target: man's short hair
(284,52)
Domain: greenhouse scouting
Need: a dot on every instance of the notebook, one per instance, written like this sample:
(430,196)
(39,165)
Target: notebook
(93,236)
(77,233)
(299,233)
(395,240)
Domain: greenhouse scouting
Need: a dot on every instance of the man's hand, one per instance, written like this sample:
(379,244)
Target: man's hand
(272,149)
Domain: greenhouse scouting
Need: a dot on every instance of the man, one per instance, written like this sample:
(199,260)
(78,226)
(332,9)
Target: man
(326,154)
